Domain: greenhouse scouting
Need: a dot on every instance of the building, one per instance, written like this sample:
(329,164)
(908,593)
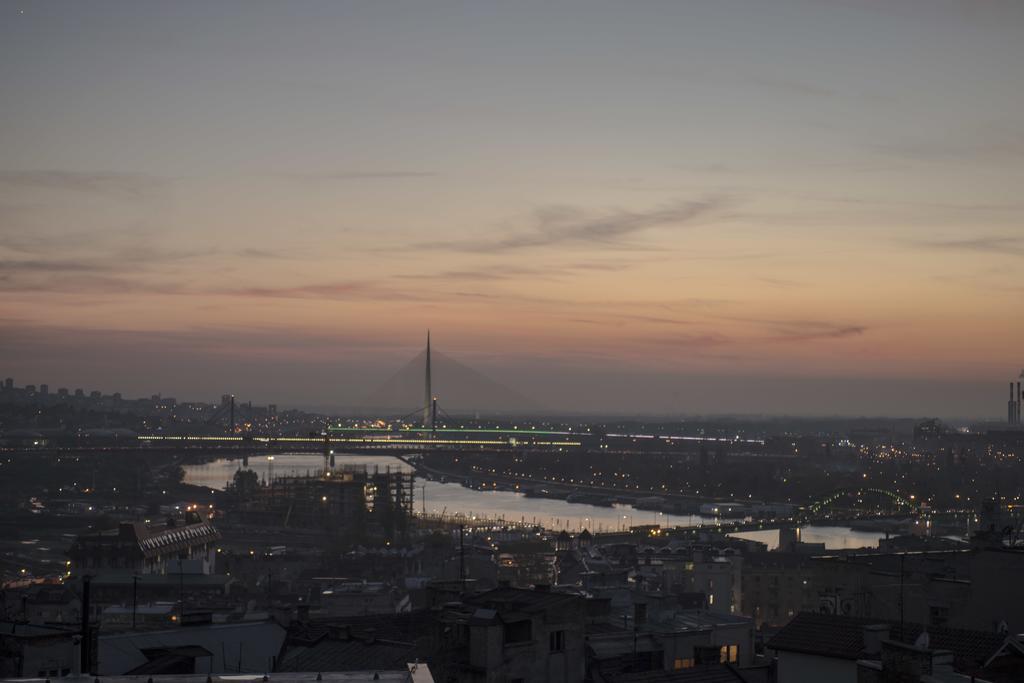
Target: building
(718,578)
(386,641)
(513,634)
(247,646)
(51,604)
(355,500)
(656,632)
(976,588)
(137,548)
(35,651)
(776,586)
(412,672)
(826,647)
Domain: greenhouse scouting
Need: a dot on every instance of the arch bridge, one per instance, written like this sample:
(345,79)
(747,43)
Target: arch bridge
(834,498)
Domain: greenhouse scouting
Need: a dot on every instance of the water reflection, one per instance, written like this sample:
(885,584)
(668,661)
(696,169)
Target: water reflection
(451,498)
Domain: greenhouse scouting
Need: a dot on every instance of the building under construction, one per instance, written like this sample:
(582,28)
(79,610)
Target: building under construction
(343,501)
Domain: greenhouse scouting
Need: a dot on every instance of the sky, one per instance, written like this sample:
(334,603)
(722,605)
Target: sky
(758,207)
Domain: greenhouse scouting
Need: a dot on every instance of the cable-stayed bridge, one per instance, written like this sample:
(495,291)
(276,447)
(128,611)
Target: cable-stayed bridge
(427,403)
(457,389)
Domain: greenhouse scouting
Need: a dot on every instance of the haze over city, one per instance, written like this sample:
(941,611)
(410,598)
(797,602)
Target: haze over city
(348,341)
(729,207)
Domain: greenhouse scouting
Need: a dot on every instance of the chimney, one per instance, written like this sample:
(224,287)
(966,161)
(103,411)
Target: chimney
(874,634)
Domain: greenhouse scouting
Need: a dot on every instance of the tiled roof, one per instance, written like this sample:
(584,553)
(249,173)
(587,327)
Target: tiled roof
(840,637)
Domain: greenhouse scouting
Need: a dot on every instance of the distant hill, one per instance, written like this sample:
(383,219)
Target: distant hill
(458,388)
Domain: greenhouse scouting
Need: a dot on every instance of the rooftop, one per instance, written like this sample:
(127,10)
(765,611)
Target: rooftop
(380,676)
(839,637)
(19,630)
(151,540)
(712,673)
(521,599)
(347,655)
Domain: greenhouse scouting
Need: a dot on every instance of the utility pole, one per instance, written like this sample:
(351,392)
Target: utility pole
(181,594)
(86,635)
(135,598)
(903,557)
(327,446)
(462,556)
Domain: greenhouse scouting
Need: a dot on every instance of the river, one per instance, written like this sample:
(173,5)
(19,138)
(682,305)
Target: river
(452,498)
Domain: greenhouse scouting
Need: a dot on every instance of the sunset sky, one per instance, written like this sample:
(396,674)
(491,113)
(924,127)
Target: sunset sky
(675,207)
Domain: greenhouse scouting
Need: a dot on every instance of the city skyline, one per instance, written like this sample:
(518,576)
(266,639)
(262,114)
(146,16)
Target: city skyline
(807,208)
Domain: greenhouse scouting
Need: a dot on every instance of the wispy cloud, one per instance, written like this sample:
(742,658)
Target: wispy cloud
(52,266)
(789,86)
(820,331)
(990,144)
(560,225)
(496,272)
(690,341)
(98,182)
(788,329)
(262,254)
(369,174)
(499,272)
(780,282)
(352,290)
(83,283)
(997,244)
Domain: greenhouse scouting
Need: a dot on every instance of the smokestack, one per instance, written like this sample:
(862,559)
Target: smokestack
(1019,397)
(1011,409)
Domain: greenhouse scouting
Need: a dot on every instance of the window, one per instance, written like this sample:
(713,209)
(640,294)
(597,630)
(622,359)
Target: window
(938,616)
(556,641)
(729,653)
(518,631)
(683,663)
